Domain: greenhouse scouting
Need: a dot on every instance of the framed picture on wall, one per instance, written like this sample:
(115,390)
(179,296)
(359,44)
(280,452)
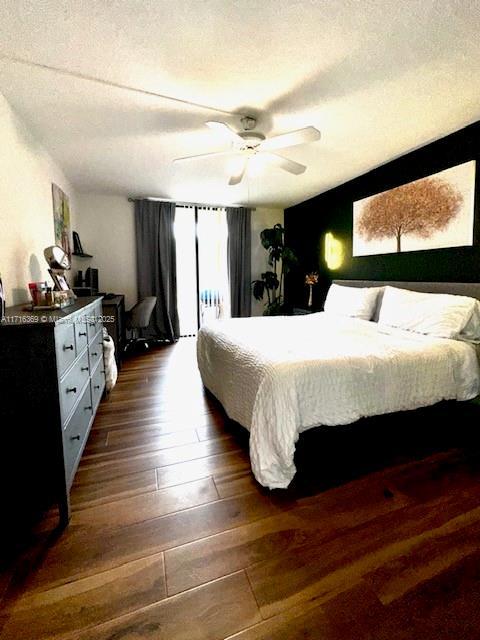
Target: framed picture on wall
(431,213)
(61,219)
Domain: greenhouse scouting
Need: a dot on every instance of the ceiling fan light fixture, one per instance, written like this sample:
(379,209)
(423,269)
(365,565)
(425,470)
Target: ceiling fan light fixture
(248,145)
(252,138)
(224,130)
(235,164)
(248,123)
(216,126)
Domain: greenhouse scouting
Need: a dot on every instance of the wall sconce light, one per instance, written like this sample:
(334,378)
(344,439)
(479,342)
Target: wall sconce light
(334,252)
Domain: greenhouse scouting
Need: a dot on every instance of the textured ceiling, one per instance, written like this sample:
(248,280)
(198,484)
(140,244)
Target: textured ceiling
(378,78)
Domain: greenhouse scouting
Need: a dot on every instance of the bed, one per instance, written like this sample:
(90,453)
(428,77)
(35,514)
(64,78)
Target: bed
(279,376)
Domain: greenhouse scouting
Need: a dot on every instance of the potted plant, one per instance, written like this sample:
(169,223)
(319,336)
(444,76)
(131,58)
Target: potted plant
(281,259)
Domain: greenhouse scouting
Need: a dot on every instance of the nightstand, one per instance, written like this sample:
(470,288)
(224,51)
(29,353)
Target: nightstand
(299,311)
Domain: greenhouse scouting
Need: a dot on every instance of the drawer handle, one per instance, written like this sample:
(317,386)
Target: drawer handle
(84,369)
(94,353)
(74,437)
(68,347)
(89,408)
(91,324)
(97,386)
(82,334)
(72,390)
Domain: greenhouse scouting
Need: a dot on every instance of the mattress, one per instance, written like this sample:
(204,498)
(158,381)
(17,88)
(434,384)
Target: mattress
(278,376)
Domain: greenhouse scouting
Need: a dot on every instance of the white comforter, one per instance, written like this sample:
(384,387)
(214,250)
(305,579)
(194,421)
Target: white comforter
(278,376)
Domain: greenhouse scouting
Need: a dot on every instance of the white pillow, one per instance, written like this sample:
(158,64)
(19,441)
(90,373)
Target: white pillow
(356,302)
(435,314)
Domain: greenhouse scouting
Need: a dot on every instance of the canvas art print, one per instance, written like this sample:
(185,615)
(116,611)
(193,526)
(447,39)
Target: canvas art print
(61,219)
(431,213)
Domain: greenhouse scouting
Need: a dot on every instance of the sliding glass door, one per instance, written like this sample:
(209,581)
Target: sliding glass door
(185,240)
(201,237)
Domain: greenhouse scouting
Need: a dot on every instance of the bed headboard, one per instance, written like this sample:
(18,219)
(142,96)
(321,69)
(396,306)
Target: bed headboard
(471,289)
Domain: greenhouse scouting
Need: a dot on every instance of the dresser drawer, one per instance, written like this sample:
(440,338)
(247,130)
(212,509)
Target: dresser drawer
(94,320)
(75,434)
(95,350)
(65,350)
(97,384)
(81,333)
(72,385)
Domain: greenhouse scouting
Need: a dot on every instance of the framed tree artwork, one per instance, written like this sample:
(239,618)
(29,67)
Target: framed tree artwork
(61,219)
(430,213)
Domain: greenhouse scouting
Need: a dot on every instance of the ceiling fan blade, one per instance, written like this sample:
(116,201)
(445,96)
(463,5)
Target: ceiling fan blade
(301,136)
(225,131)
(284,163)
(237,177)
(206,155)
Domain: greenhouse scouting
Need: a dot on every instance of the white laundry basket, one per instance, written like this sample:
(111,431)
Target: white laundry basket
(111,372)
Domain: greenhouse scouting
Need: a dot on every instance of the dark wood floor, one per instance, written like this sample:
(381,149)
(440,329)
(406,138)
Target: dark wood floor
(172,538)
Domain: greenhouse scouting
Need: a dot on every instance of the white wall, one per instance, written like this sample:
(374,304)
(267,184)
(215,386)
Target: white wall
(105,224)
(261,219)
(26,214)
(106,227)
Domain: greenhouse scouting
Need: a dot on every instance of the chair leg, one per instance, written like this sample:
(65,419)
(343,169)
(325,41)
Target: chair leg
(136,340)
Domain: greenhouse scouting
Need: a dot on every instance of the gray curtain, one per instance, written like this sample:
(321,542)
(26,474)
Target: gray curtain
(239,268)
(156,264)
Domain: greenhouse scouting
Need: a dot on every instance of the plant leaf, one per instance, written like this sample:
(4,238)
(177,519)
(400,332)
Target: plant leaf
(267,236)
(289,259)
(258,289)
(272,240)
(271,280)
(276,252)
(275,308)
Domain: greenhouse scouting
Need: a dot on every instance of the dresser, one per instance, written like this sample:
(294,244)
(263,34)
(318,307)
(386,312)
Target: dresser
(51,382)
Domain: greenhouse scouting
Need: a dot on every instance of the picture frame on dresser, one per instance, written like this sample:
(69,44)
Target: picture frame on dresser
(52,379)
(59,280)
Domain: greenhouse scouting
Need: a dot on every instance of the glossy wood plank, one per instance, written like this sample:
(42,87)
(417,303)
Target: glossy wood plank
(87,495)
(149,408)
(340,508)
(317,570)
(166,425)
(118,451)
(96,471)
(232,483)
(138,437)
(231,462)
(51,614)
(213,611)
(96,439)
(311,621)
(171,536)
(445,607)
(311,520)
(80,552)
(210,432)
(146,506)
(427,560)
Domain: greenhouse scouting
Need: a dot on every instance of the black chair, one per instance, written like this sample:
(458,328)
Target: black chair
(137,319)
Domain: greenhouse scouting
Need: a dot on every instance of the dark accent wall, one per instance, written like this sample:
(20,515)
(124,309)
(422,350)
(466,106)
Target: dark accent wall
(307,223)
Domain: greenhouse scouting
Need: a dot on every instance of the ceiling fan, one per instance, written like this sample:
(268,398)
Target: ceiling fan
(247,144)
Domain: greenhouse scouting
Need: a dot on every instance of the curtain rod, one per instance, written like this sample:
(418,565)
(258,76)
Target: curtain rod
(191,204)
